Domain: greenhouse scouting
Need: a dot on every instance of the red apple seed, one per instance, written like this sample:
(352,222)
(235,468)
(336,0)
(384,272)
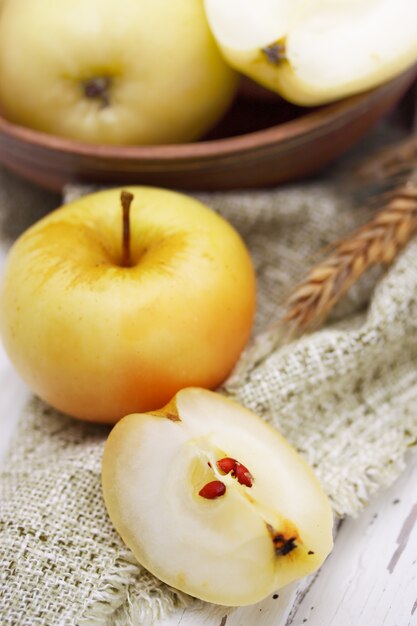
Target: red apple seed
(226,465)
(239,471)
(243,475)
(212,490)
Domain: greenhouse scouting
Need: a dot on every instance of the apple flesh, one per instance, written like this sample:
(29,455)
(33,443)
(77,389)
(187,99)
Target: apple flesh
(315,51)
(197,522)
(115,72)
(97,339)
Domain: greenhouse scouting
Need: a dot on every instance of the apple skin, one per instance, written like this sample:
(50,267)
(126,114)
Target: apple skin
(219,549)
(97,340)
(167,81)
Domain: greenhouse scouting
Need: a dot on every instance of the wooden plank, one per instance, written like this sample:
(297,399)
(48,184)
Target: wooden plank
(371,576)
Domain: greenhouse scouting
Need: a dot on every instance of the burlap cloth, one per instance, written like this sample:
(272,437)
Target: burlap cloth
(346,397)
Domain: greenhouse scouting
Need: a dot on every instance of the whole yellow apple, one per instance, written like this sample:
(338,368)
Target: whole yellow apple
(315,51)
(214,501)
(112,71)
(101,320)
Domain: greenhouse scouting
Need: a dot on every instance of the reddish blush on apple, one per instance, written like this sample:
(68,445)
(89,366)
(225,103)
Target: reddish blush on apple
(101,324)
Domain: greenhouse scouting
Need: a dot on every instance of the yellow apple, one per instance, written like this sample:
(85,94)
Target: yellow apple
(98,336)
(112,71)
(214,501)
(315,51)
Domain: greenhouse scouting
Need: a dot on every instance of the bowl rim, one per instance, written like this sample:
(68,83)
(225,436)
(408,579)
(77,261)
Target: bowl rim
(314,119)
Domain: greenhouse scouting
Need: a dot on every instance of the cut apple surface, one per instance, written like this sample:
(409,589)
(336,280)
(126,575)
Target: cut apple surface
(214,501)
(315,51)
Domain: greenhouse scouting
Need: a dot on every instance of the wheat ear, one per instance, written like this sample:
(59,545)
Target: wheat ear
(378,242)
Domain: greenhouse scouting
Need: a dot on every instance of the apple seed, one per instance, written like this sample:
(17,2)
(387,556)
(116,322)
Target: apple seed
(226,465)
(243,475)
(213,490)
(237,470)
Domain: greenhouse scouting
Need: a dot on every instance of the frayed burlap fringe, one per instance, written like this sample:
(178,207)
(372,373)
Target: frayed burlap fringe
(61,560)
(346,397)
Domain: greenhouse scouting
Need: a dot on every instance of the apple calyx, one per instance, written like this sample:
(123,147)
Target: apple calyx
(283,544)
(236,470)
(98,88)
(126,199)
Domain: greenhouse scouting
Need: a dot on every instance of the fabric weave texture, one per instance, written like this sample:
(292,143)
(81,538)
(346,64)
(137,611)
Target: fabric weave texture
(345,397)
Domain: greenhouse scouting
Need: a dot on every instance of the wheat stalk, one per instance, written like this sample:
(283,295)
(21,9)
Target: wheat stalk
(391,163)
(378,242)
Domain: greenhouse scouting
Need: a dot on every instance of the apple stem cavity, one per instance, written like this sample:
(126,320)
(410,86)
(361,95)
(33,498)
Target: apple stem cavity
(98,88)
(213,490)
(275,53)
(126,199)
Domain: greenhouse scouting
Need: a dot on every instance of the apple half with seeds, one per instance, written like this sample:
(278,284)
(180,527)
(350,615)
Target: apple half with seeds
(214,501)
(315,51)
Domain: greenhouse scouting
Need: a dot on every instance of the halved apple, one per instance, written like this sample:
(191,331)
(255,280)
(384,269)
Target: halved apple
(214,501)
(316,51)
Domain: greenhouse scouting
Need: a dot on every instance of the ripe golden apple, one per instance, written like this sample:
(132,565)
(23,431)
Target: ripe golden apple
(214,501)
(98,335)
(112,71)
(315,51)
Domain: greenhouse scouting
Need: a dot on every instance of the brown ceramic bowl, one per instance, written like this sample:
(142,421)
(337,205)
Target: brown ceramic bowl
(261,142)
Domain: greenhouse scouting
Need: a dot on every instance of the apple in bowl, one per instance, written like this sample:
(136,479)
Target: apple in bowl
(104,316)
(214,501)
(112,72)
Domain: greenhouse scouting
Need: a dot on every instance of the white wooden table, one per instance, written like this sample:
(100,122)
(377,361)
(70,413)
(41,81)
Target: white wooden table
(370,579)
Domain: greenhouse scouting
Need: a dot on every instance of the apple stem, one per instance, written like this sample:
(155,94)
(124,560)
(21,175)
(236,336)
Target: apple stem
(126,199)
